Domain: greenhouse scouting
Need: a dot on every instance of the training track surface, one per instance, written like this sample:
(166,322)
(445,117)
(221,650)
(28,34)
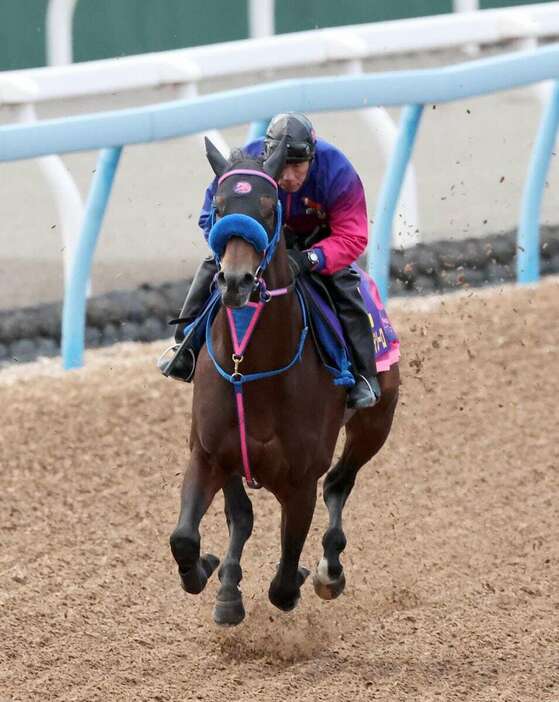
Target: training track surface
(453,533)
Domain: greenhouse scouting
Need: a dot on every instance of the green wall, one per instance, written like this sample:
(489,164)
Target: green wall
(297,15)
(22,33)
(106,28)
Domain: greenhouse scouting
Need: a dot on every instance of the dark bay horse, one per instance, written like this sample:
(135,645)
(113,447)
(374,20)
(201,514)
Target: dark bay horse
(291,420)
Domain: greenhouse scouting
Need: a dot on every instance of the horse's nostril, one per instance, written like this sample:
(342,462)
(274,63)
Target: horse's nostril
(248,279)
(221,277)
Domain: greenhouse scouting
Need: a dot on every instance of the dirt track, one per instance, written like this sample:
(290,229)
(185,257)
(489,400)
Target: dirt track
(453,533)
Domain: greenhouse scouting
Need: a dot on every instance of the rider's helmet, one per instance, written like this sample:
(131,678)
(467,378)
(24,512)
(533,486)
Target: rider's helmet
(301,137)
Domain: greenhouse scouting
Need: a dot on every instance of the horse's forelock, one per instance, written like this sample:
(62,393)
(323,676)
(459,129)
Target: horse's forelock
(240,159)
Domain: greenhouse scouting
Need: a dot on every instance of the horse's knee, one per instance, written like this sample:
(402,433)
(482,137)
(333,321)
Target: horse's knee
(185,547)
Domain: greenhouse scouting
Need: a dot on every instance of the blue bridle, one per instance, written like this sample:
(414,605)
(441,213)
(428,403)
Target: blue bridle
(247,228)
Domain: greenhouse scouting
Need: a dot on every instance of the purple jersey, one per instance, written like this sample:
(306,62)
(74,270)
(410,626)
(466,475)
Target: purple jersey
(331,203)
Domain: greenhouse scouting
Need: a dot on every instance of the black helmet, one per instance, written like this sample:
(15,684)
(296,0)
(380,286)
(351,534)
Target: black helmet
(300,134)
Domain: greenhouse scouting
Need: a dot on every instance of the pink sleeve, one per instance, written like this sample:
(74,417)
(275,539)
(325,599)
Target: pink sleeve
(349,227)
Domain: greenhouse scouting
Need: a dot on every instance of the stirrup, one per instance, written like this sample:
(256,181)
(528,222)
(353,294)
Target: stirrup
(374,394)
(168,366)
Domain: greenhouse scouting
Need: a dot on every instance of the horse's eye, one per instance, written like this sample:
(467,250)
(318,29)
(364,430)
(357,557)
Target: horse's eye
(267,206)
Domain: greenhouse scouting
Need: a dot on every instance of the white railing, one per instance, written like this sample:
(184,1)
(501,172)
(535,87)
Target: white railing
(187,68)
(287,51)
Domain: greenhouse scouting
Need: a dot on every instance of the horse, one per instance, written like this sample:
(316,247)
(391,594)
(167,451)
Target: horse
(285,429)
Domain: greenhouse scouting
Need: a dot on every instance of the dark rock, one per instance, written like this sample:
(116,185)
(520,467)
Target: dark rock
(549,247)
(19,325)
(501,248)
(424,284)
(152,329)
(23,350)
(499,273)
(474,277)
(47,347)
(115,307)
(50,322)
(154,303)
(426,259)
(110,334)
(396,263)
(473,255)
(550,265)
(175,294)
(449,254)
(92,337)
(451,279)
(106,309)
(130,331)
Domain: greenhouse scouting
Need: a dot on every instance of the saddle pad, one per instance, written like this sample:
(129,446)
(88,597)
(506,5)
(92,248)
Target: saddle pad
(332,341)
(387,344)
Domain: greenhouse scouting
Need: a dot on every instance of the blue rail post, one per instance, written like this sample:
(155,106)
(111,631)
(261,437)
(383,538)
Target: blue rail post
(381,237)
(256,130)
(73,315)
(528,242)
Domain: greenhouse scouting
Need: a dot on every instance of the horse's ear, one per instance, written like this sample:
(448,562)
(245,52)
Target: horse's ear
(275,163)
(217,161)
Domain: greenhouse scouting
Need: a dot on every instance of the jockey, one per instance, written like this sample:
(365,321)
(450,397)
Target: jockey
(326,230)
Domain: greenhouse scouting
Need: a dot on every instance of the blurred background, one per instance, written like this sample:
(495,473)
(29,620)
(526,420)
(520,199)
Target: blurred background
(470,158)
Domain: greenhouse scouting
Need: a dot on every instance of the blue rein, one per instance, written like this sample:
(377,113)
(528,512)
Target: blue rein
(248,229)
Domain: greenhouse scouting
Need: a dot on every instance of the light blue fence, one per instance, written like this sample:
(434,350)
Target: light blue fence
(413,89)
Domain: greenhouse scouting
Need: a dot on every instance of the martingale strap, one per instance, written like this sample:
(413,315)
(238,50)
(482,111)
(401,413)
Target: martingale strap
(251,314)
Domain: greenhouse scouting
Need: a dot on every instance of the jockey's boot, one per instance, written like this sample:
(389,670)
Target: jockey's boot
(181,364)
(354,317)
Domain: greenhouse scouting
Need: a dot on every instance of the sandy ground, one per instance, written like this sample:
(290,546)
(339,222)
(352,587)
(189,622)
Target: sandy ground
(453,532)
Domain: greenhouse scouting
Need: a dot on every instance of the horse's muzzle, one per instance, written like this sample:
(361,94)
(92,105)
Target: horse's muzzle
(235,287)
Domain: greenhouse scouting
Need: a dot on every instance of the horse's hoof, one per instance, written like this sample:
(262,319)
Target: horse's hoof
(209,563)
(329,591)
(229,612)
(326,587)
(279,598)
(286,605)
(194,580)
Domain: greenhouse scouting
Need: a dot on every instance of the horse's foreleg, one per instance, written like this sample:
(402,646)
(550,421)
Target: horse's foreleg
(201,482)
(366,433)
(296,517)
(229,609)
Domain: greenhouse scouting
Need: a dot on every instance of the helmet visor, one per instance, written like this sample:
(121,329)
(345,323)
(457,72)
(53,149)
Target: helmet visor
(297,151)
